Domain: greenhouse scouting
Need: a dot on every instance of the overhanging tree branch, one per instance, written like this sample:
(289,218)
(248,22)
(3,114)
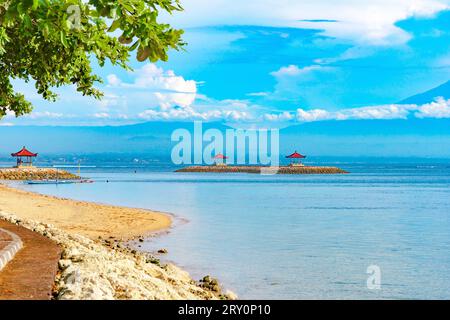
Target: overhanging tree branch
(52,42)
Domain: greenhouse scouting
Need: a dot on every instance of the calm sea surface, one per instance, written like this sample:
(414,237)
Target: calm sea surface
(295,236)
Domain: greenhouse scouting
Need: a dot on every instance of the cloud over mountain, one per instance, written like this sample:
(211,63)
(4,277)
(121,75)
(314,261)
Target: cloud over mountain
(350,20)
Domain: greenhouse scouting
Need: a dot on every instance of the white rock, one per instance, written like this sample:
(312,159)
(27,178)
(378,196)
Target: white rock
(93,271)
(64,264)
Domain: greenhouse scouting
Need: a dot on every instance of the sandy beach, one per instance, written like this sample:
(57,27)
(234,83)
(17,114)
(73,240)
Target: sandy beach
(88,219)
(95,262)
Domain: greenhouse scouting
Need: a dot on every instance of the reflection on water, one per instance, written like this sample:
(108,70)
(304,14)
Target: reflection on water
(297,236)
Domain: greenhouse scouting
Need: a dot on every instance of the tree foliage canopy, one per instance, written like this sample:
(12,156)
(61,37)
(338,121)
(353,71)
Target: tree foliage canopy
(53,42)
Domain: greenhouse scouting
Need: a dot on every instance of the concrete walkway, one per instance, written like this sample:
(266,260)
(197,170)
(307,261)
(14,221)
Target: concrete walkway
(10,244)
(30,274)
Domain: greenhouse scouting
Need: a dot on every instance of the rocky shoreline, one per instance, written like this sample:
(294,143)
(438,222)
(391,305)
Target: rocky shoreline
(107,269)
(34,173)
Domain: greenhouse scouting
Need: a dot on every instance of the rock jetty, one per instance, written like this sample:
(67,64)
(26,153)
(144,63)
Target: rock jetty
(262,169)
(35,174)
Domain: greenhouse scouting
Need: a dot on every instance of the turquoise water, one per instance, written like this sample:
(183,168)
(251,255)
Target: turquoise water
(296,237)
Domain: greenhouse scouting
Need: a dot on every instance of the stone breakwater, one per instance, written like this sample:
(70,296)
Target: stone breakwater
(35,174)
(91,270)
(267,170)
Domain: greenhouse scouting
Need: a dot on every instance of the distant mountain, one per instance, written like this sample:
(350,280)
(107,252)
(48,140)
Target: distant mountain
(144,138)
(362,138)
(369,138)
(422,98)
(366,128)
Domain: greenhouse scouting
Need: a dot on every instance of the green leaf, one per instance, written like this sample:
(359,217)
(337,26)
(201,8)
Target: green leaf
(114,26)
(37,43)
(63,39)
(134,46)
(20,8)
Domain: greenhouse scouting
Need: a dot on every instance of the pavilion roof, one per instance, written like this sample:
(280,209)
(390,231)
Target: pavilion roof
(220,156)
(24,153)
(296,155)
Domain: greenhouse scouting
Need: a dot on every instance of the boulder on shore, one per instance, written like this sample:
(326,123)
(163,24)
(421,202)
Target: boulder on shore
(89,270)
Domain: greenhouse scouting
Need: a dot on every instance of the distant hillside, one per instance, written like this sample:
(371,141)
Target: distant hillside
(370,138)
(349,128)
(362,138)
(144,138)
(428,96)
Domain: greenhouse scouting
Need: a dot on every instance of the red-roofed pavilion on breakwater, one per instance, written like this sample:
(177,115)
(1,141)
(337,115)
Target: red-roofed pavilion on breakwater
(296,159)
(220,160)
(24,153)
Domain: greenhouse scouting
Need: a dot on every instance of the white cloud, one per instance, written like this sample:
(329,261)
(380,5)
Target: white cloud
(102,115)
(110,100)
(258,94)
(294,71)
(377,112)
(152,94)
(113,80)
(235,104)
(45,115)
(163,88)
(352,53)
(440,108)
(205,109)
(365,113)
(442,61)
(192,114)
(312,115)
(284,116)
(292,79)
(382,112)
(352,20)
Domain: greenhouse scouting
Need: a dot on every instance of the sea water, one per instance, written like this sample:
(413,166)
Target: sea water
(298,236)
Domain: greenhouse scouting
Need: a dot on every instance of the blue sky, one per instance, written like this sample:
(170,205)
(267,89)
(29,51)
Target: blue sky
(276,63)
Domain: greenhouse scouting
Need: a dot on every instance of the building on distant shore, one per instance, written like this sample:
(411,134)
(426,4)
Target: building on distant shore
(24,158)
(296,159)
